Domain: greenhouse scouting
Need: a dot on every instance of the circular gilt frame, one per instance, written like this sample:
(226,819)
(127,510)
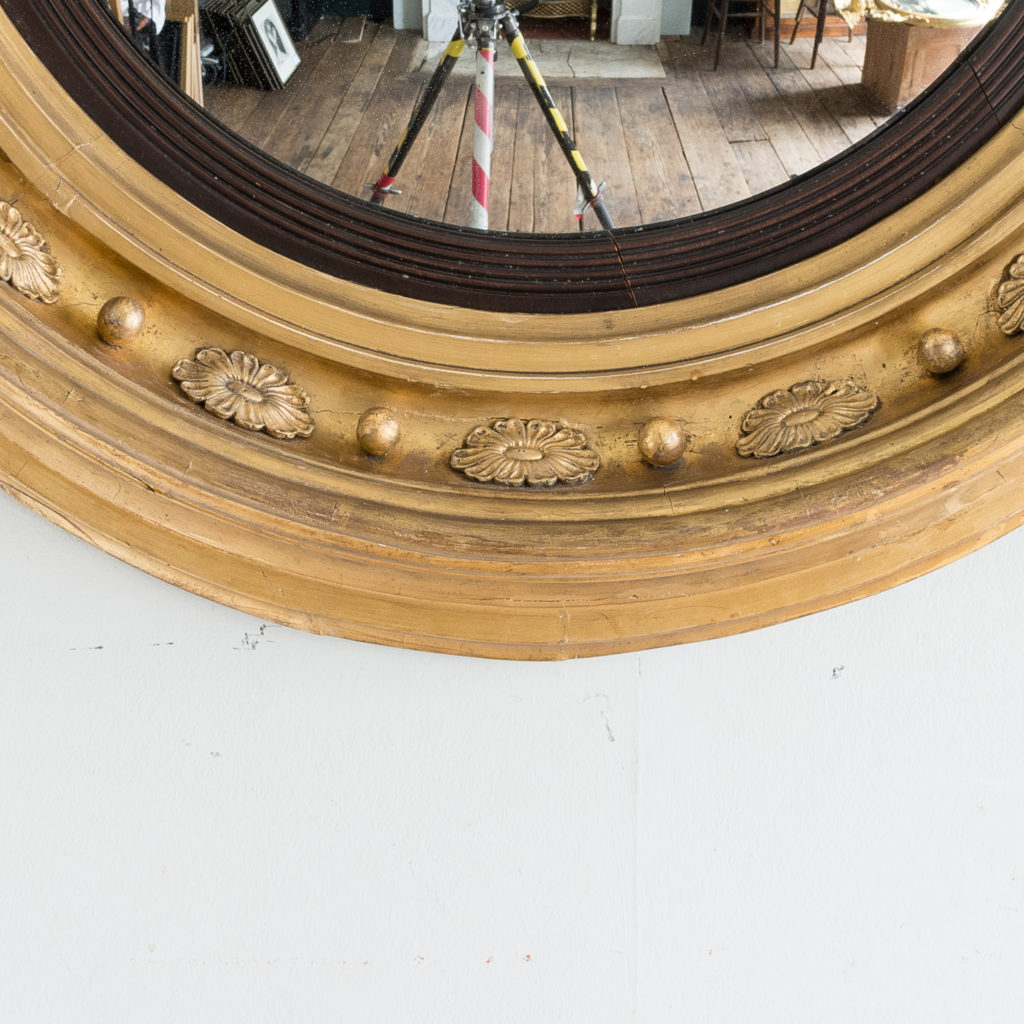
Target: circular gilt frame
(833,280)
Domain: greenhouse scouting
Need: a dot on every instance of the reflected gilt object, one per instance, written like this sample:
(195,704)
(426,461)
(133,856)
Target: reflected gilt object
(929,13)
(238,387)
(1010,298)
(514,452)
(24,259)
(807,414)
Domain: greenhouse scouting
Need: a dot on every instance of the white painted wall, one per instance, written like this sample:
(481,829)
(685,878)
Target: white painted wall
(636,22)
(408,14)
(675,17)
(206,818)
(440,19)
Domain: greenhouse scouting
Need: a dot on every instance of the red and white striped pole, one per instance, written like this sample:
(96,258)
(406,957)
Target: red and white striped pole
(483,132)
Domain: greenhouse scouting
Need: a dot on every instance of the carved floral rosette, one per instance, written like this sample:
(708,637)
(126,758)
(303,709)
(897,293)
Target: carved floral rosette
(804,415)
(239,387)
(25,261)
(1010,299)
(514,452)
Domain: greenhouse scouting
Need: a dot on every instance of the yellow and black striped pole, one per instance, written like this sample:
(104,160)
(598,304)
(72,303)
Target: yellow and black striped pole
(383,187)
(591,194)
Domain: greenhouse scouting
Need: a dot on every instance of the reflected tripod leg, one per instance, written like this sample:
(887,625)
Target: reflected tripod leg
(384,184)
(589,191)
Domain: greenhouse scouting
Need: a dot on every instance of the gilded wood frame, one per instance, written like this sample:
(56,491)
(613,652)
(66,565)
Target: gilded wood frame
(671,355)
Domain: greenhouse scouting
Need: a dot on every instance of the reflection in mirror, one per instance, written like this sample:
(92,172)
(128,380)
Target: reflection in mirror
(695,122)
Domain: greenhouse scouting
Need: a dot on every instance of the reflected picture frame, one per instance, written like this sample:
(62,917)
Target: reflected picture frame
(275,41)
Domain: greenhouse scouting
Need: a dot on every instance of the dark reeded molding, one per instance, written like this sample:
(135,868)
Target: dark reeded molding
(277,207)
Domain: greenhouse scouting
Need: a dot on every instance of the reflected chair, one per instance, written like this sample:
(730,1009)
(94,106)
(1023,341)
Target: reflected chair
(820,10)
(760,9)
(566,9)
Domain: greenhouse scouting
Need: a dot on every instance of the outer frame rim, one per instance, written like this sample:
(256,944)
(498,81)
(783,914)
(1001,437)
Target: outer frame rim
(99,441)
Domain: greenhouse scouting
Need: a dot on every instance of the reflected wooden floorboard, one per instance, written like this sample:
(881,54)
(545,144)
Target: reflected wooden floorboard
(667,147)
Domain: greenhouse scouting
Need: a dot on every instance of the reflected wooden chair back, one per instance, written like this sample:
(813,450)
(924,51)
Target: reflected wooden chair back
(821,11)
(725,9)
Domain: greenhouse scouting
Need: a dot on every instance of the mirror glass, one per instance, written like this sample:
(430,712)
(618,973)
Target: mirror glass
(705,116)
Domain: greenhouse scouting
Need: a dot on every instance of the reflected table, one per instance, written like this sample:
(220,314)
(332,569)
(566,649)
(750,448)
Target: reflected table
(911,42)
